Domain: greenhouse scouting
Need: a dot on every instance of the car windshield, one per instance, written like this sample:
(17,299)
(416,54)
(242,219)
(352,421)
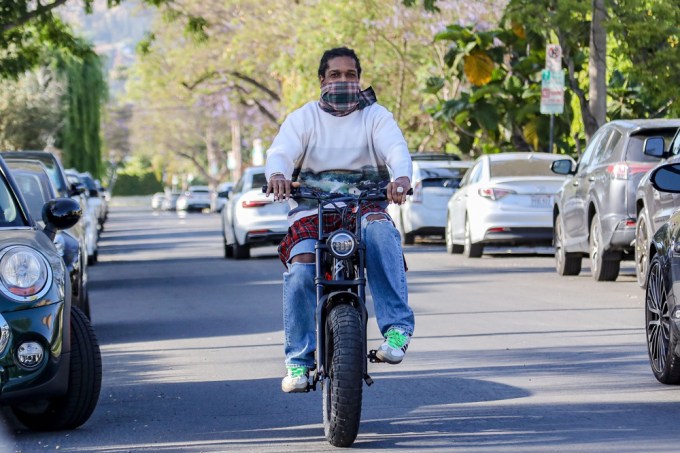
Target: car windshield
(259,180)
(10,215)
(636,144)
(520,167)
(33,192)
(442,177)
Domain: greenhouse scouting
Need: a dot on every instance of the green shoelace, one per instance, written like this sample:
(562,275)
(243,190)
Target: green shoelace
(395,339)
(296,371)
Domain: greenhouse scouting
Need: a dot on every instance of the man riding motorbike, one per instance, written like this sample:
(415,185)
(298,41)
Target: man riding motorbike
(340,143)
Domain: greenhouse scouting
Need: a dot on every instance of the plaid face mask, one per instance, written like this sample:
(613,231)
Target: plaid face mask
(343,98)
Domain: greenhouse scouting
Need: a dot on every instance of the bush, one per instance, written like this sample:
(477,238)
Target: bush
(145,184)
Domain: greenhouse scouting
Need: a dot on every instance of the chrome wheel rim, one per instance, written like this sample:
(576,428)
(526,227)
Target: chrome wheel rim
(641,240)
(559,250)
(594,246)
(468,240)
(657,319)
(447,234)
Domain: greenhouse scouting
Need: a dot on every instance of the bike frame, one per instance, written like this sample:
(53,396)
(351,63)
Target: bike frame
(330,293)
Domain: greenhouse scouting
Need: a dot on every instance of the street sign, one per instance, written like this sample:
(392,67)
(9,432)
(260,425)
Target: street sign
(553,57)
(552,92)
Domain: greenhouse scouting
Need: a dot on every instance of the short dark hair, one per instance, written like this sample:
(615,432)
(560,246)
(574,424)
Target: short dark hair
(334,53)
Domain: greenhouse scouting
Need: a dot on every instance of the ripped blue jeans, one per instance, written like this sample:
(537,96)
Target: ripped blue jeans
(386,280)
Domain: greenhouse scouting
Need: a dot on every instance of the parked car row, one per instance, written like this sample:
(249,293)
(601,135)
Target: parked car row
(195,198)
(49,356)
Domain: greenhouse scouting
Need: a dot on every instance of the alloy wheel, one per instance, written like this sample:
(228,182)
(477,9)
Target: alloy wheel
(594,246)
(657,319)
(641,241)
(559,249)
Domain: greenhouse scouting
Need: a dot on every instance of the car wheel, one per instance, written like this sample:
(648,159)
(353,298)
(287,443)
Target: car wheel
(92,259)
(85,377)
(241,252)
(565,263)
(228,249)
(406,238)
(641,248)
(471,250)
(662,340)
(448,235)
(603,269)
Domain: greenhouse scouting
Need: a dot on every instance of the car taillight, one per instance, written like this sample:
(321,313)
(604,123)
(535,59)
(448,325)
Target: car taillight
(417,196)
(254,204)
(494,193)
(622,170)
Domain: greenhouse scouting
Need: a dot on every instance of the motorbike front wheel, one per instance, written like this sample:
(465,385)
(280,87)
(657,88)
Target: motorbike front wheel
(343,387)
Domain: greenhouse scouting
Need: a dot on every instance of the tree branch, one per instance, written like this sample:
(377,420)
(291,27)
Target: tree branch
(39,11)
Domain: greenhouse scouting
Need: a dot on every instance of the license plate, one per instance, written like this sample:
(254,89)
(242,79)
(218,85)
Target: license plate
(541,201)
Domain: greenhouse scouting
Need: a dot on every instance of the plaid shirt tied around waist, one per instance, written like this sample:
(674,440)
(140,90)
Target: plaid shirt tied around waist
(308,227)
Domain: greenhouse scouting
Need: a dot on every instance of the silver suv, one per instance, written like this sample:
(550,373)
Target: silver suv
(594,212)
(654,208)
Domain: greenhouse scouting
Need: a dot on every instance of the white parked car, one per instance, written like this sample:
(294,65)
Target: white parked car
(157,200)
(196,198)
(220,196)
(90,218)
(249,218)
(435,179)
(505,199)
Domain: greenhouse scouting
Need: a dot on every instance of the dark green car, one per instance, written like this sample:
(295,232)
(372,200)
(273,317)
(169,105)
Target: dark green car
(50,363)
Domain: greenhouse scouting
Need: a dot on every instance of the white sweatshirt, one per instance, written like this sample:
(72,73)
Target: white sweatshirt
(337,153)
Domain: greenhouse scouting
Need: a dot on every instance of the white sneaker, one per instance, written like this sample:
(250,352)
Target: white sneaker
(296,380)
(394,348)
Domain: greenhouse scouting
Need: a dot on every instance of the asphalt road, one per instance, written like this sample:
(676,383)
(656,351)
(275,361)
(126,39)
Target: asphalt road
(507,356)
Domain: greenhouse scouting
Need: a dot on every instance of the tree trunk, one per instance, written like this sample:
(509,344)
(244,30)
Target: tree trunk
(597,69)
(236,148)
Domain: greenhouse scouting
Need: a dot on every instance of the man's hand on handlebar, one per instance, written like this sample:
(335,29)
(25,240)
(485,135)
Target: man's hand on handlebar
(398,189)
(280,187)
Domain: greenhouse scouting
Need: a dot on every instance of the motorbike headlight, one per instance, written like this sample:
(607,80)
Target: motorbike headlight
(59,243)
(24,273)
(341,244)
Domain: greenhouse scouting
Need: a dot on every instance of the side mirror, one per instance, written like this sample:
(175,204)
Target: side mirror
(563,167)
(224,194)
(77,188)
(666,178)
(94,193)
(654,146)
(60,214)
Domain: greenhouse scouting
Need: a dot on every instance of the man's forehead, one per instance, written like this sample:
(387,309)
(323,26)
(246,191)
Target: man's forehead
(342,64)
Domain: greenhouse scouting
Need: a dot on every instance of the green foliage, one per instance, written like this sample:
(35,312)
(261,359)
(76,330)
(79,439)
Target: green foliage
(85,95)
(144,184)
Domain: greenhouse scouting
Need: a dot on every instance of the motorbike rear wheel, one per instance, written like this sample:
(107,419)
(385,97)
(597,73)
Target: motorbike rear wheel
(342,389)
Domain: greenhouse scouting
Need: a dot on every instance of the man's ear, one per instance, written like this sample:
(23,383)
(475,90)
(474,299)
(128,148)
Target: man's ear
(321,79)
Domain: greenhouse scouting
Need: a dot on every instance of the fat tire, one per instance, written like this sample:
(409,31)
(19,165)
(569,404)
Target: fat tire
(228,249)
(565,263)
(662,340)
(342,390)
(85,378)
(603,269)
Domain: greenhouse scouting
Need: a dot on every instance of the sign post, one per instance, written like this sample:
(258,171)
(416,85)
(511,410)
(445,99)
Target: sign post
(552,86)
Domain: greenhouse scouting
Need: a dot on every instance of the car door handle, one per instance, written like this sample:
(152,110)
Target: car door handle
(575,183)
(591,178)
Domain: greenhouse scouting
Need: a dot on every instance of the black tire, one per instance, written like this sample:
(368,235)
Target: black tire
(406,238)
(342,390)
(228,249)
(92,259)
(86,303)
(603,268)
(642,240)
(241,252)
(565,263)
(448,236)
(662,340)
(471,250)
(85,378)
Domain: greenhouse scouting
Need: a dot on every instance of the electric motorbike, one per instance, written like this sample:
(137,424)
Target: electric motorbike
(341,315)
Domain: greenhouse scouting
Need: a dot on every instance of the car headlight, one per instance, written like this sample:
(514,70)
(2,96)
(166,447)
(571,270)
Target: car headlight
(59,243)
(341,244)
(24,273)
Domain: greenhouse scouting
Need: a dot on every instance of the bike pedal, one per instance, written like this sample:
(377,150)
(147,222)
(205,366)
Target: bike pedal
(372,357)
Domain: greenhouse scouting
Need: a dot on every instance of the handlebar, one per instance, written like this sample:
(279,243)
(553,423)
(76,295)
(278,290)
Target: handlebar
(310,193)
